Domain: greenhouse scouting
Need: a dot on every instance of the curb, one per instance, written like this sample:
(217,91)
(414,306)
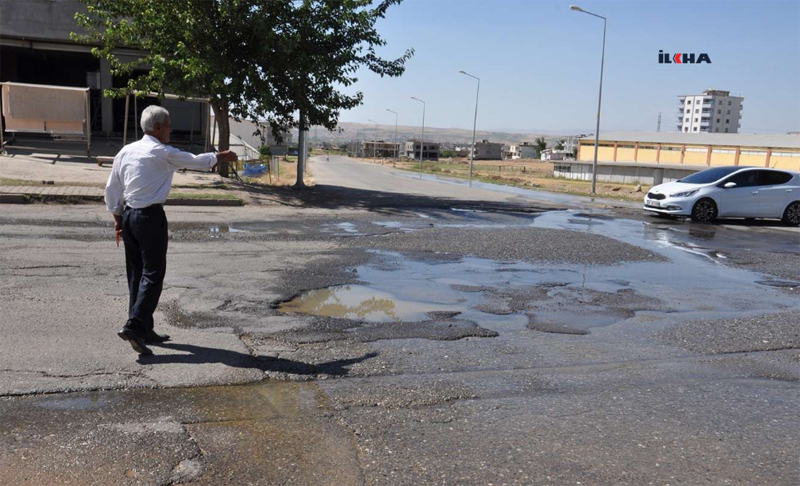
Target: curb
(13,199)
(204,202)
(68,199)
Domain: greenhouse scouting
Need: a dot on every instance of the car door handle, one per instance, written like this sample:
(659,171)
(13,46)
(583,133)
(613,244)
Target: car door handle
(754,192)
(788,190)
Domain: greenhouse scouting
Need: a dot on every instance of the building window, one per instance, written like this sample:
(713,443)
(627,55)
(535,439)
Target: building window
(729,112)
(719,112)
(727,121)
(686,129)
(717,120)
(695,120)
(729,103)
(696,129)
(697,110)
(726,130)
(689,101)
(686,120)
(716,129)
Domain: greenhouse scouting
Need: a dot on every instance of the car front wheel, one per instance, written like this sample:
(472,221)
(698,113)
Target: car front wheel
(791,216)
(704,211)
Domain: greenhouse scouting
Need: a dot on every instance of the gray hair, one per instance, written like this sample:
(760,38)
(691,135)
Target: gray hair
(153,115)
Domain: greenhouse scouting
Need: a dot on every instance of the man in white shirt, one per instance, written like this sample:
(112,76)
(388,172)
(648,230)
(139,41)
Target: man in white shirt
(137,188)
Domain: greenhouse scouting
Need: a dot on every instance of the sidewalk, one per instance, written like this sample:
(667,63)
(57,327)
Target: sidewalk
(51,190)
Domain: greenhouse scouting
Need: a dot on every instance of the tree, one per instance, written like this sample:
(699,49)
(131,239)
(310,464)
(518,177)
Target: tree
(541,145)
(264,151)
(254,59)
(190,48)
(324,43)
(560,145)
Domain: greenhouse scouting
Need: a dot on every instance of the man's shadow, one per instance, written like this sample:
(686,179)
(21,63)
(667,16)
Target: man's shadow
(235,359)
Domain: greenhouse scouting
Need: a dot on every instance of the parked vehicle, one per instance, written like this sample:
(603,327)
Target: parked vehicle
(730,192)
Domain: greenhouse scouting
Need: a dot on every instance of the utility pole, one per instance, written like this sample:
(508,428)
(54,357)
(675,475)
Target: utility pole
(659,122)
(422,142)
(396,143)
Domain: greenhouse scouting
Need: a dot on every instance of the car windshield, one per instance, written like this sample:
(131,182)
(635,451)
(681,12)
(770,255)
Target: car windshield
(709,175)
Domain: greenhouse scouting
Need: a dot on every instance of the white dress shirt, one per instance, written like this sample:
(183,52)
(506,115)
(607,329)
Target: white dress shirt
(142,173)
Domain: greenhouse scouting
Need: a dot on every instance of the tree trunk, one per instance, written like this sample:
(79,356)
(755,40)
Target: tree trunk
(301,152)
(221,116)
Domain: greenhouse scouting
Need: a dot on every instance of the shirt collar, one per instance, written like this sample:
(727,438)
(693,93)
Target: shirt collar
(151,139)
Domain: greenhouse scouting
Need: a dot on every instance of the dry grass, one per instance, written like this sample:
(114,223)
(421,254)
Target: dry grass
(521,173)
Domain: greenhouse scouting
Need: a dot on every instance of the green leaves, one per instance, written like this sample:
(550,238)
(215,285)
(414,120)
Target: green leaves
(255,59)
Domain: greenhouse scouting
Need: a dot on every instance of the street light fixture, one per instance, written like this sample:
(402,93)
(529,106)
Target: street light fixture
(599,96)
(374,139)
(421,142)
(474,123)
(396,143)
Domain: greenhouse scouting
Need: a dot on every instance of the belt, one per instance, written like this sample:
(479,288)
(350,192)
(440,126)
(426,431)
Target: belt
(152,207)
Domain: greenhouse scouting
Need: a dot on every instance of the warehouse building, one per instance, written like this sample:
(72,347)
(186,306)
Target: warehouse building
(654,157)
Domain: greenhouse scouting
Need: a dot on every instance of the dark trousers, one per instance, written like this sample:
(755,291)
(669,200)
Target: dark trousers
(145,234)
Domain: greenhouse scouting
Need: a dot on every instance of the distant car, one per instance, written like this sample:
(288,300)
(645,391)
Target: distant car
(730,192)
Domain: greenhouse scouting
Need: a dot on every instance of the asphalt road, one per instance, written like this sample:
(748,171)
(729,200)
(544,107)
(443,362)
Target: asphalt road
(381,329)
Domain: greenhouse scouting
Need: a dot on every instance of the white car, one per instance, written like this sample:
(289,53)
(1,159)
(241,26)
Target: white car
(730,192)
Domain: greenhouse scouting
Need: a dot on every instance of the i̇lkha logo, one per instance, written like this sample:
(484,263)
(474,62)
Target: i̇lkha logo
(685,58)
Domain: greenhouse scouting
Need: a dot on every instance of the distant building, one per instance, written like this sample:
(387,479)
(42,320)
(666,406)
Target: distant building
(511,152)
(655,157)
(429,152)
(380,149)
(524,150)
(553,154)
(714,111)
(527,150)
(486,150)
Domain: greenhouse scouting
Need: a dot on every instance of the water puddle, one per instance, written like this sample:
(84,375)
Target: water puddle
(361,303)
(92,401)
(555,297)
(216,231)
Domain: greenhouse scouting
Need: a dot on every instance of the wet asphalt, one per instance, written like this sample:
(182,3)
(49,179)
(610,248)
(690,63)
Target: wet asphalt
(412,333)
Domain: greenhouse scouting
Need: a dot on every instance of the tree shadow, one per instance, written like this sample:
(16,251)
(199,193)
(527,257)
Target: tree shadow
(392,203)
(235,359)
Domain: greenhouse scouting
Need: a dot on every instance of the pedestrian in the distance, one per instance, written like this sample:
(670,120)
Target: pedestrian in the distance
(137,188)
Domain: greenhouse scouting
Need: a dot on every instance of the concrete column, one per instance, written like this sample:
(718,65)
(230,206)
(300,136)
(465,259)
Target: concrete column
(738,151)
(708,156)
(769,155)
(106,105)
(658,176)
(658,154)
(683,152)
(636,152)
(615,151)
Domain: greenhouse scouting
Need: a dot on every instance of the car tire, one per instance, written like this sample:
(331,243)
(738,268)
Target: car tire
(791,215)
(704,211)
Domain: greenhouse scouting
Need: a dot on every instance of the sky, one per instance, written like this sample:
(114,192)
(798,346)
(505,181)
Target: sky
(539,63)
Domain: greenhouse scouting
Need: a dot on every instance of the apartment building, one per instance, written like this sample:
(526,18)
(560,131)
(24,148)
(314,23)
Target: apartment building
(430,151)
(714,111)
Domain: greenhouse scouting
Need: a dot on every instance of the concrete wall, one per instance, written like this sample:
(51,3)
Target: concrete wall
(632,174)
(39,19)
(694,155)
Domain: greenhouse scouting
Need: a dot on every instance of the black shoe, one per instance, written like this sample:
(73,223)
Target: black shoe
(137,343)
(152,337)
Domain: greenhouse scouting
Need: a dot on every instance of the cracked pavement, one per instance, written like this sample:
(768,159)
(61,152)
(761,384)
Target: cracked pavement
(385,330)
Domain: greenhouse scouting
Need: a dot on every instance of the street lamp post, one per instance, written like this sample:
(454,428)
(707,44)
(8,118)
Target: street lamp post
(421,142)
(396,143)
(374,140)
(474,123)
(599,96)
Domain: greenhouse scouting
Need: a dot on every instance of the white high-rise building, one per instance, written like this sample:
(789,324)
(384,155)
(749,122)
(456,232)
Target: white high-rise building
(714,111)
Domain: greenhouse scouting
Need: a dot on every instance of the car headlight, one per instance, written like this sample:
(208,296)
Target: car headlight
(684,194)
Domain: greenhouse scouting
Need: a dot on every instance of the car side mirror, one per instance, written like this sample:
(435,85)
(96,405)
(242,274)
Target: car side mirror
(728,185)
